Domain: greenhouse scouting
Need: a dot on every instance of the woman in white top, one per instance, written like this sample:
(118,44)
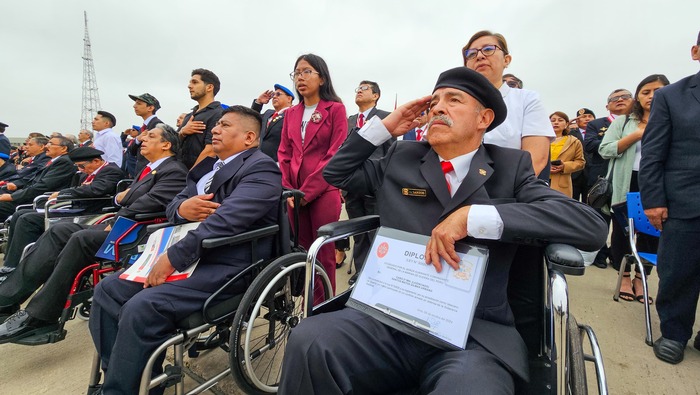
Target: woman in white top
(527,125)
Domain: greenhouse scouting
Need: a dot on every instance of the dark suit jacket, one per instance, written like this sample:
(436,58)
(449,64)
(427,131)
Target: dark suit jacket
(7,170)
(271,134)
(248,189)
(498,176)
(352,128)
(51,178)
(104,184)
(302,165)
(668,172)
(153,192)
(86,143)
(26,174)
(597,166)
(581,173)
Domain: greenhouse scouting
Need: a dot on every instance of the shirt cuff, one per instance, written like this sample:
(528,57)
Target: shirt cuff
(375,132)
(484,222)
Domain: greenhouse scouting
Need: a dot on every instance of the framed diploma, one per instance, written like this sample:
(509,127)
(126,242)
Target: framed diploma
(399,289)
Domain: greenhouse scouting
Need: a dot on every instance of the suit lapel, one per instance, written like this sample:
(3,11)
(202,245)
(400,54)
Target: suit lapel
(432,172)
(313,127)
(294,115)
(146,180)
(480,171)
(231,168)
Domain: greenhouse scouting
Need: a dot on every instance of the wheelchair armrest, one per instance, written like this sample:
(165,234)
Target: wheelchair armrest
(154,227)
(149,216)
(110,209)
(241,238)
(564,258)
(25,206)
(350,227)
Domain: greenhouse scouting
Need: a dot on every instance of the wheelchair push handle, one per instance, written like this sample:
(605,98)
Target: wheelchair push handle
(564,258)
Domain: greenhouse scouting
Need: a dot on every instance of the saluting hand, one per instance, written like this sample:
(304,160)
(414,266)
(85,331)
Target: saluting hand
(192,127)
(403,118)
(265,97)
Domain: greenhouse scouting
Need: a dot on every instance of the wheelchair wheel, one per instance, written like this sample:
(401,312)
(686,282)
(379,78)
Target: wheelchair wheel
(83,310)
(577,365)
(270,308)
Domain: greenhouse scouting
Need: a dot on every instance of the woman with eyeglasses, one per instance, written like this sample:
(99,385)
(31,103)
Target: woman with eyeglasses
(527,126)
(622,144)
(312,132)
(566,152)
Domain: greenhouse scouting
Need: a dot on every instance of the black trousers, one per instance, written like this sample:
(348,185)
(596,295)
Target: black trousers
(359,206)
(347,351)
(56,258)
(26,227)
(679,278)
(6,209)
(128,322)
(580,187)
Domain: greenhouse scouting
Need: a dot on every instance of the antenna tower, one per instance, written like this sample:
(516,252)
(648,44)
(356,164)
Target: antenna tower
(91,97)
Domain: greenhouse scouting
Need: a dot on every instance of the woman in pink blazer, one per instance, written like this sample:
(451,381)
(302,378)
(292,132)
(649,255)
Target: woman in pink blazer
(312,132)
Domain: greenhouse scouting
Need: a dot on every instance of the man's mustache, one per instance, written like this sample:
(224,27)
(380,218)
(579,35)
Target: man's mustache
(443,118)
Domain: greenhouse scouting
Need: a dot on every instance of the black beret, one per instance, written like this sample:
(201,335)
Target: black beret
(84,153)
(584,111)
(3,125)
(478,87)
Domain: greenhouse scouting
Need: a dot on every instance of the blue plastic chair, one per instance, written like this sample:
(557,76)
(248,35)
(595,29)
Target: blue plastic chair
(638,222)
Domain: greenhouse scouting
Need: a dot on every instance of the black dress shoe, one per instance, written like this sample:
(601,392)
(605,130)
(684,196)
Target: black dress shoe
(352,279)
(20,325)
(696,343)
(5,270)
(668,350)
(6,311)
(601,263)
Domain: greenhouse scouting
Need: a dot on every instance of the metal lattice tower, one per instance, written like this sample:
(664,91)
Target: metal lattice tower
(91,97)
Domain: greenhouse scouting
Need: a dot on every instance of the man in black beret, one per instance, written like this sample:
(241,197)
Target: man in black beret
(579,179)
(97,179)
(453,188)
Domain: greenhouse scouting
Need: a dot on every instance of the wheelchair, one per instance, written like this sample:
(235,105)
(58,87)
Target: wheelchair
(79,299)
(251,328)
(554,338)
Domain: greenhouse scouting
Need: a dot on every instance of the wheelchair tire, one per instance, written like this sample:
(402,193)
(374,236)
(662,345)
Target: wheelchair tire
(576,382)
(83,310)
(270,308)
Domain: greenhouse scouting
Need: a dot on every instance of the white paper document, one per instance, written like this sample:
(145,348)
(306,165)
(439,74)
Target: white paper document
(158,243)
(397,287)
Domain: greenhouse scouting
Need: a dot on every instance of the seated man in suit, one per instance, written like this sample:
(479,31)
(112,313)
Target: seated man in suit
(97,179)
(66,248)
(490,194)
(57,174)
(231,194)
(35,160)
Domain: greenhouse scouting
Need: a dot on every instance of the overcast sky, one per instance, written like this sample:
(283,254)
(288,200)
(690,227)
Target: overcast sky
(573,53)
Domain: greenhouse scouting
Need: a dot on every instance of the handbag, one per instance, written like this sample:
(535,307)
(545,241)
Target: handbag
(600,194)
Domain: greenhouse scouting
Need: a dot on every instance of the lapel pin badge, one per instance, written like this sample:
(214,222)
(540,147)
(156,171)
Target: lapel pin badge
(482,172)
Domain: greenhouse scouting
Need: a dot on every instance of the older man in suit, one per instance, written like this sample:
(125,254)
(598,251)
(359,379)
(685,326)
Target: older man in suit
(668,182)
(34,161)
(619,103)
(234,193)
(466,189)
(97,179)
(271,132)
(57,174)
(62,251)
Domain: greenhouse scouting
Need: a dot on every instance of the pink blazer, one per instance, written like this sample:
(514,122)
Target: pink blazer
(302,166)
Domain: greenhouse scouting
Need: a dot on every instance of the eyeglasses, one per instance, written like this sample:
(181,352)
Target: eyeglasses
(626,96)
(279,94)
(306,73)
(487,50)
(362,88)
(81,166)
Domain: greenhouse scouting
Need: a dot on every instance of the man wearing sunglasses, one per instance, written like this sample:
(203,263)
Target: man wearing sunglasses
(97,178)
(271,133)
(619,103)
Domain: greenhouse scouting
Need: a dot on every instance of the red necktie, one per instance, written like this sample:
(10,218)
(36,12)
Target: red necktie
(145,171)
(272,117)
(361,121)
(419,136)
(49,163)
(446,168)
(88,179)
(143,127)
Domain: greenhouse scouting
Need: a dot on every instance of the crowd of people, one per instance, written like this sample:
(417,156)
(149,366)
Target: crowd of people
(492,164)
